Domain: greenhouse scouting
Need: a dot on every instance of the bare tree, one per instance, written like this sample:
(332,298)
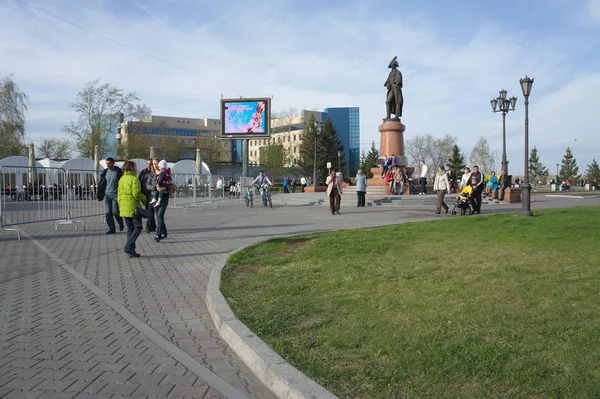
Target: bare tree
(46,148)
(211,149)
(54,148)
(99,106)
(434,151)
(482,156)
(13,106)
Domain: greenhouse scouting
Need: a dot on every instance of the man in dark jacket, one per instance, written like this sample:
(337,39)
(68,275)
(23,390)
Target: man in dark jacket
(478,186)
(147,179)
(107,191)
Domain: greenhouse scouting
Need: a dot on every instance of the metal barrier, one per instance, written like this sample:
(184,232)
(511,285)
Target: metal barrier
(193,191)
(82,186)
(32,195)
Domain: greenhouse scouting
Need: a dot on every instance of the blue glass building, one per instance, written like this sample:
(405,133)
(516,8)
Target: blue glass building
(347,124)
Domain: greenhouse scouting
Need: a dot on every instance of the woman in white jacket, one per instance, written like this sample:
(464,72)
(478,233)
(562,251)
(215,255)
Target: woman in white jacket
(440,187)
(466,179)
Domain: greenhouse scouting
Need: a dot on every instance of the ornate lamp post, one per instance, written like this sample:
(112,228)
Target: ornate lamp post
(316,132)
(526,84)
(504,105)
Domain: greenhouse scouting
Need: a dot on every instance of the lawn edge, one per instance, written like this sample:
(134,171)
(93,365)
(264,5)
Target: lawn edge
(283,379)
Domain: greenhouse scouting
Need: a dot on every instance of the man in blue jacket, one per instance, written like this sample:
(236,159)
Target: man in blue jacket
(107,191)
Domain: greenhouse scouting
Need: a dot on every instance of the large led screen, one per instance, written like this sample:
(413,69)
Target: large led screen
(245,117)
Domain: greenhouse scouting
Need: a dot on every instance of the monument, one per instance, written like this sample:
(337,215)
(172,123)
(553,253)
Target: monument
(392,129)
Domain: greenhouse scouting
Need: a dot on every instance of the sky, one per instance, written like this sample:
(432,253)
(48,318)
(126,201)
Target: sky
(454,56)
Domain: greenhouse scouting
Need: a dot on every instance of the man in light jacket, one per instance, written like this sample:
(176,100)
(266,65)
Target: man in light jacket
(334,191)
(361,188)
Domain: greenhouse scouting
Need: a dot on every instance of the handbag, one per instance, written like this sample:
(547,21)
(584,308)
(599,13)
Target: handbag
(141,212)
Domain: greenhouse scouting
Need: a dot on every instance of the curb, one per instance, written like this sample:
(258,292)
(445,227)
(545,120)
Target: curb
(283,379)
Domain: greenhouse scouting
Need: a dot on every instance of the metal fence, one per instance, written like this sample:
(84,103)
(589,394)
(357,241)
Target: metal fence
(82,190)
(33,195)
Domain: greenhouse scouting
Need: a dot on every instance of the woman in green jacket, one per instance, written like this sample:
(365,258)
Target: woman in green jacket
(129,197)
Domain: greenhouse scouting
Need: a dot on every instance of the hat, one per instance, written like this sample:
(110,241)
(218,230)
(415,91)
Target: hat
(163,164)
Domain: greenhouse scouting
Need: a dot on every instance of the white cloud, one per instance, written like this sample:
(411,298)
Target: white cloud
(330,59)
(593,9)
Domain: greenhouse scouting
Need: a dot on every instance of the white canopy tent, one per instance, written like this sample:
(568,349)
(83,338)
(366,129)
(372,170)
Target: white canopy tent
(20,170)
(189,166)
(184,171)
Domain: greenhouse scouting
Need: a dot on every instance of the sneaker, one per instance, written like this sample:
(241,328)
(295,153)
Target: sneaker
(157,238)
(132,254)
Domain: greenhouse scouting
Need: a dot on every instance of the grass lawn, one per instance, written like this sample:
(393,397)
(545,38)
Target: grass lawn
(467,307)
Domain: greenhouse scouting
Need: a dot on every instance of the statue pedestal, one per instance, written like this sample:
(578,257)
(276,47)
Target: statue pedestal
(392,140)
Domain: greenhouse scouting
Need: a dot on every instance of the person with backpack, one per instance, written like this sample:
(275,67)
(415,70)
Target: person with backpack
(107,192)
(147,178)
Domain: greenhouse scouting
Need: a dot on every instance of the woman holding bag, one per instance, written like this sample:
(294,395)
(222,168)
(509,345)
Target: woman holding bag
(129,198)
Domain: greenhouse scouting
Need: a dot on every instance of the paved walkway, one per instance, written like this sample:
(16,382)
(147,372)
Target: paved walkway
(79,318)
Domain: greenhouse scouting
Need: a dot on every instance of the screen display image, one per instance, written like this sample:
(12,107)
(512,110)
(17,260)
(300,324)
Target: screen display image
(245,117)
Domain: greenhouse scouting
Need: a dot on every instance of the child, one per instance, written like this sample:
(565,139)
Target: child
(163,181)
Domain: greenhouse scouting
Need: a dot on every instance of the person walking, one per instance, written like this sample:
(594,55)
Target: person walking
(107,191)
(219,190)
(465,179)
(451,179)
(286,185)
(159,211)
(294,184)
(423,178)
(440,187)
(361,188)
(147,178)
(231,188)
(334,192)
(477,185)
(303,183)
(130,197)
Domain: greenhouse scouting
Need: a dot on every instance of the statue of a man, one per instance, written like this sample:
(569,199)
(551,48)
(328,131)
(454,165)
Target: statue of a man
(394,100)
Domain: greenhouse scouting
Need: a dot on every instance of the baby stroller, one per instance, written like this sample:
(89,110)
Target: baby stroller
(463,201)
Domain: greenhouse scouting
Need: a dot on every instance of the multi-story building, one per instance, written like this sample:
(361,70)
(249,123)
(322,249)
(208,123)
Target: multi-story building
(347,124)
(289,132)
(190,134)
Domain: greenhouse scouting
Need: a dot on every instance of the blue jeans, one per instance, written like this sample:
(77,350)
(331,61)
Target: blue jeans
(161,228)
(134,228)
(112,211)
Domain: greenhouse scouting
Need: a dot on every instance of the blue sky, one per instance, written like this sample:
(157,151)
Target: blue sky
(455,56)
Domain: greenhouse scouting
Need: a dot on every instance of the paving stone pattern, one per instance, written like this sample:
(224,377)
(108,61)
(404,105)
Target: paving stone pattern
(59,339)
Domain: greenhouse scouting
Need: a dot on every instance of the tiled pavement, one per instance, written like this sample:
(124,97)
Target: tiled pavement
(78,318)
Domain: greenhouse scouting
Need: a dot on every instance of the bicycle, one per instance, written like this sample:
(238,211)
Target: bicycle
(249,197)
(266,195)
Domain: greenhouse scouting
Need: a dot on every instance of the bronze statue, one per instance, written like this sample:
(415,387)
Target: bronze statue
(394,100)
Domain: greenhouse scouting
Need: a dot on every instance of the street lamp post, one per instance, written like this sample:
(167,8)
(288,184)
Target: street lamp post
(316,132)
(504,105)
(526,84)
(557,170)
(339,161)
